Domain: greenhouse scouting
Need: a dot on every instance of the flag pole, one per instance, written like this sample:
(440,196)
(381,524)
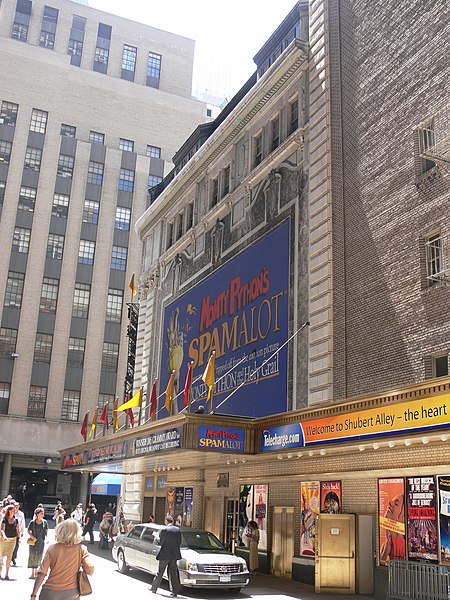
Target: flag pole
(190,389)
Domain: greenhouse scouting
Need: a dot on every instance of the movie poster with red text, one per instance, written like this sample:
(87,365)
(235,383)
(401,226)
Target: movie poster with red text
(240,312)
(330,497)
(310,509)
(421,511)
(391,518)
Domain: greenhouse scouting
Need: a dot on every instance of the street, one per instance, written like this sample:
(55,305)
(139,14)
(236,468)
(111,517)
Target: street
(108,583)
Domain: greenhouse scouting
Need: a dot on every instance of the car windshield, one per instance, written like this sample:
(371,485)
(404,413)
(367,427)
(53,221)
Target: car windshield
(201,540)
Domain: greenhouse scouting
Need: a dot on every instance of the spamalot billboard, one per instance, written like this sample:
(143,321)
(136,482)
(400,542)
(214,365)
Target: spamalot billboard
(240,312)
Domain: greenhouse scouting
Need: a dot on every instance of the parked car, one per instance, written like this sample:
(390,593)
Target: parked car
(205,562)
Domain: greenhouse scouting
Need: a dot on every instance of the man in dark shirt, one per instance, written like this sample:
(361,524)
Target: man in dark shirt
(169,553)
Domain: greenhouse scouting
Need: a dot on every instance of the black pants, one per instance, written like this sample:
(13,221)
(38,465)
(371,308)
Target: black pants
(90,531)
(172,569)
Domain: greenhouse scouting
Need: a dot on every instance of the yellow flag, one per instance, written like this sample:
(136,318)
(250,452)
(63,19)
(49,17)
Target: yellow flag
(94,422)
(135,401)
(169,394)
(208,376)
(115,415)
(132,286)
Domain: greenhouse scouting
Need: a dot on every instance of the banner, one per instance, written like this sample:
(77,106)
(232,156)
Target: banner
(331,497)
(179,506)
(391,517)
(444,518)
(421,511)
(310,509)
(240,311)
(188,506)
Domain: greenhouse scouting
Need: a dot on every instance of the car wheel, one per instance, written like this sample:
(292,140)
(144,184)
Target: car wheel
(121,564)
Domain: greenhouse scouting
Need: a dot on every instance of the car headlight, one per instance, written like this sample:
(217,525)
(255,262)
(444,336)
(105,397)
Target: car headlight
(191,566)
(243,565)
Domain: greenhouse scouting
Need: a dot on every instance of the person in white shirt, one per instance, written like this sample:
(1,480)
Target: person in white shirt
(77,514)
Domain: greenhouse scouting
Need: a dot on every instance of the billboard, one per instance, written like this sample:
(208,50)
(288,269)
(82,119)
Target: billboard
(422,525)
(241,313)
(391,519)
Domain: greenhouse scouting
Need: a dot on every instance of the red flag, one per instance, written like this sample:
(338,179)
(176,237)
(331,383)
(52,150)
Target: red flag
(187,387)
(129,412)
(153,402)
(104,416)
(83,430)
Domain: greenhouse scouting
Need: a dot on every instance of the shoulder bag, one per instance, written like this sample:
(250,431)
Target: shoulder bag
(84,585)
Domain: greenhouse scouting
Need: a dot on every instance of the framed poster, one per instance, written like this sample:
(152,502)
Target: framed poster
(421,512)
(391,519)
(444,518)
(253,506)
(331,497)
(310,509)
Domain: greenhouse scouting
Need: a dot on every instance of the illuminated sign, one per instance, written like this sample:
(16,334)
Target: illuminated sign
(241,312)
(220,438)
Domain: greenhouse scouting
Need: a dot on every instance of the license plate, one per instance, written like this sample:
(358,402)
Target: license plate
(225,578)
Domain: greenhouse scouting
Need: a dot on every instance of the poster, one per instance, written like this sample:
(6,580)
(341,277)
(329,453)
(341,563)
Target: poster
(391,515)
(179,506)
(330,497)
(253,506)
(188,506)
(310,509)
(170,508)
(444,518)
(421,512)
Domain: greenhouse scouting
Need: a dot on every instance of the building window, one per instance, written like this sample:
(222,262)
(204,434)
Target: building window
(226,181)
(95,173)
(14,289)
(8,113)
(43,347)
(70,405)
(81,297)
(119,258)
(86,252)
(293,116)
(123,217)
(91,210)
(65,165)
(55,246)
(126,180)
(169,235)
(75,353)
(21,240)
(75,48)
(33,157)
(105,400)
(19,32)
(38,120)
(47,40)
(68,130)
(154,151)
(27,198)
(8,340)
(433,246)
(153,69)
(49,295)
(5,389)
(440,366)
(60,206)
(101,56)
(5,152)
(275,133)
(215,191)
(96,137)
(127,145)
(37,400)
(258,149)
(426,141)
(114,305)
(129,58)
(153,180)
(2,192)
(110,356)
(190,216)
(49,22)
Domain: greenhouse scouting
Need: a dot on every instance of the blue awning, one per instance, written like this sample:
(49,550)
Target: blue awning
(107,484)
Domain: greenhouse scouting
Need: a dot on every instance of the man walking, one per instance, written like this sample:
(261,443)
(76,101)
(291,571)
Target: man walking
(169,553)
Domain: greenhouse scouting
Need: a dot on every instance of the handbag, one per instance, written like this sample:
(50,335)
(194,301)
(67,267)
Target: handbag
(31,541)
(84,585)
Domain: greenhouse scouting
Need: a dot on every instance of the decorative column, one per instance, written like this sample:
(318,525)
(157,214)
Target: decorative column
(6,475)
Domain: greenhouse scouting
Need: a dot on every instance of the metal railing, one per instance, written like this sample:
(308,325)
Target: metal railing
(418,581)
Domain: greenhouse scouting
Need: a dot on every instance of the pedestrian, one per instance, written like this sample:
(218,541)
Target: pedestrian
(37,530)
(151,519)
(252,535)
(9,533)
(169,553)
(77,514)
(61,563)
(89,521)
(59,513)
(21,520)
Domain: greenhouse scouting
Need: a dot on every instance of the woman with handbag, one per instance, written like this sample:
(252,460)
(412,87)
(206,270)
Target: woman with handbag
(9,532)
(62,563)
(37,531)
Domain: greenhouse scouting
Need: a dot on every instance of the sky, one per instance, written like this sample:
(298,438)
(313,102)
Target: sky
(227,34)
